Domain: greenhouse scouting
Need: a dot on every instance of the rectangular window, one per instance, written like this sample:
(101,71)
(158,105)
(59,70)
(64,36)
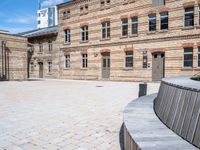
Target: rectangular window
(188,57)
(134,25)
(67,61)
(106,30)
(198,56)
(84,33)
(84,60)
(189,17)
(102,3)
(152,22)
(67,36)
(124,27)
(158,3)
(66,14)
(164,21)
(40,47)
(49,67)
(129,59)
(50,45)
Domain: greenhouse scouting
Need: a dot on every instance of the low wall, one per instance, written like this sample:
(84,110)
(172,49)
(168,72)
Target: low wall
(178,107)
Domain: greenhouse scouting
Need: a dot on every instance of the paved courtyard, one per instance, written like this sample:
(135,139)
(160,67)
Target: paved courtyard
(64,115)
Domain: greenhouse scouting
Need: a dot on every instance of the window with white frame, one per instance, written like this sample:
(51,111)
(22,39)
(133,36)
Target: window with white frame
(158,3)
(134,27)
(67,61)
(50,45)
(188,57)
(84,60)
(164,21)
(49,67)
(84,33)
(125,27)
(67,36)
(152,22)
(106,30)
(199,56)
(189,17)
(129,59)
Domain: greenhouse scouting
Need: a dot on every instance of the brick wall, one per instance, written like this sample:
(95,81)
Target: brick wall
(16,56)
(171,41)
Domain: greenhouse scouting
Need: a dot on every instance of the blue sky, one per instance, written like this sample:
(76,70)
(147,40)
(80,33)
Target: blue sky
(21,15)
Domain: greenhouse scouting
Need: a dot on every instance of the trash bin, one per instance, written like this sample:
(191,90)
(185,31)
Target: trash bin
(142,89)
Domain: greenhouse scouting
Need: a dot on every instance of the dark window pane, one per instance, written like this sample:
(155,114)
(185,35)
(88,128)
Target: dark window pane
(129,59)
(189,16)
(188,57)
(152,22)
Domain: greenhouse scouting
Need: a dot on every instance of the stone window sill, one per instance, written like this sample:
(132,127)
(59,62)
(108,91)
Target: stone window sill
(67,43)
(133,35)
(163,31)
(124,37)
(188,28)
(151,32)
(106,39)
(186,68)
(82,42)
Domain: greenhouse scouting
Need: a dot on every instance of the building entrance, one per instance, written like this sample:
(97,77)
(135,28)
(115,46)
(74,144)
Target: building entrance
(106,65)
(158,66)
(41,67)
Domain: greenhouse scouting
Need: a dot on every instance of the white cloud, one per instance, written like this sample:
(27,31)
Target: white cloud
(48,3)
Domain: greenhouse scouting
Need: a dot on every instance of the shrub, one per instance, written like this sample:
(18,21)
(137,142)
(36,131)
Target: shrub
(196,77)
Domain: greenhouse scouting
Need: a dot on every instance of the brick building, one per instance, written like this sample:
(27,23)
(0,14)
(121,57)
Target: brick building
(43,53)
(13,57)
(129,40)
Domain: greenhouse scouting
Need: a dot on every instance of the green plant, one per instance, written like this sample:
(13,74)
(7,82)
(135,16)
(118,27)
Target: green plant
(196,77)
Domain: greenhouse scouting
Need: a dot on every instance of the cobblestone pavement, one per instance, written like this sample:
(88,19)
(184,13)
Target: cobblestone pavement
(64,115)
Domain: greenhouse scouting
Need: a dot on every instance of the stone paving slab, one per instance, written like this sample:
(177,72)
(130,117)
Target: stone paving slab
(64,115)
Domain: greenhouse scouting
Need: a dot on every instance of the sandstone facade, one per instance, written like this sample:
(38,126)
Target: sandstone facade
(168,44)
(44,61)
(13,57)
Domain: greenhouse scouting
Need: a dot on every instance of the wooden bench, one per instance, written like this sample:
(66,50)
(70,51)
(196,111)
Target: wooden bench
(144,130)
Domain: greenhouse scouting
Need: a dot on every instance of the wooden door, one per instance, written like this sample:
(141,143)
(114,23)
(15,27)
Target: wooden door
(158,66)
(106,65)
(40,69)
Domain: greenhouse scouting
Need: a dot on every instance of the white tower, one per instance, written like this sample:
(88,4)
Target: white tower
(47,17)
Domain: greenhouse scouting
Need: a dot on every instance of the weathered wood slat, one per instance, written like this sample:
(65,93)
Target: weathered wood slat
(179,107)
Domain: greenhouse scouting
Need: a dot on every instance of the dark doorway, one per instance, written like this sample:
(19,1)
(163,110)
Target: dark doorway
(4,62)
(41,67)
(106,65)
(158,66)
